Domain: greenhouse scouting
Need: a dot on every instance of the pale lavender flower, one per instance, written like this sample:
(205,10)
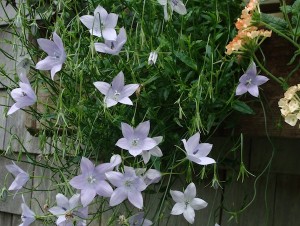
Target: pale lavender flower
(91,181)
(112,47)
(175,5)
(56,55)
(101,24)
(186,203)
(139,220)
(21,177)
(152,176)
(116,92)
(136,140)
(196,152)
(68,211)
(152,58)
(28,216)
(24,96)
(156,151)
(128,185)
(250,81)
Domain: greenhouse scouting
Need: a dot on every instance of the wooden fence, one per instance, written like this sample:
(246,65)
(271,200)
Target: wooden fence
(277,196)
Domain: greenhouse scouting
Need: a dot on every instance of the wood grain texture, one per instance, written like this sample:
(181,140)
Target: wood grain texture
(287,205)
(3,101)
(238,195)
(5,219)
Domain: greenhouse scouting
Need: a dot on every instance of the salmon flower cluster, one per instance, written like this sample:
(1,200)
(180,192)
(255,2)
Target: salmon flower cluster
(246,31)
(290,105)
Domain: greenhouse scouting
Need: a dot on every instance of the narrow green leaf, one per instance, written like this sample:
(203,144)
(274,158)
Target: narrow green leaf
(242,107)
(186,59)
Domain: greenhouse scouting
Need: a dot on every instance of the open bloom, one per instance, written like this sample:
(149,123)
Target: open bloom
(186,203)
(116,92)
(136,140)
(28,216)
(101,24)
(175,5)
(250,81)
(128,185)
(21,177)
(91,181)
(139,220)
(67,211)
(56,54)
(156,151)
(197,152)
(112,47)
(24,96)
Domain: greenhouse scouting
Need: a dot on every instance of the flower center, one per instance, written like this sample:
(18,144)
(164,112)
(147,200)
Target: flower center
(91,179)
(186,203)
(24,94)
(135,142)
(128,183)
(195,151)
(116,95)
(112,45)
(56,55)
(248,82)
(69,215)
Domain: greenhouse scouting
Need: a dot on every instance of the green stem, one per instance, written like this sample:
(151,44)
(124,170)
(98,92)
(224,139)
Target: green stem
(262,67)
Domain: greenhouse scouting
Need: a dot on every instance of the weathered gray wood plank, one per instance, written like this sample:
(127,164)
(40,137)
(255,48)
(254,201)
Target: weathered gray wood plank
(3,101)
(286,157)
(5,219)
(287,204)
(237,195)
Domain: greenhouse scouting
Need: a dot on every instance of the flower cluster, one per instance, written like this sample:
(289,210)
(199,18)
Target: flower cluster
(290,105)
(246,31)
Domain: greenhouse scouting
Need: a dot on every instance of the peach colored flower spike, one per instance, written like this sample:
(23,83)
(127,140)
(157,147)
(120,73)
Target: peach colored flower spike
(246,31)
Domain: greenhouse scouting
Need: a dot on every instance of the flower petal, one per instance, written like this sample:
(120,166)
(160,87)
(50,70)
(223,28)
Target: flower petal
(253,90)
(178,208)
(79,182)
(190,192)
(111,21)
(47,64)
(86,166)
(192,143)
(74,201)
(118,196)
(260,79)
(87,196)
(48,46)
(148,144)
(203,149)
(177,196)
(136,199)
(126,101)
(55,69)
(109,34)
(118,82)
(146,156)
(206,161)
(103,189)
(142,130)
(103,87)
(189,214)
(57,211)
(128,90)
(198,204)
(57,40)
(115,178)
(123,143)
(88,21)
(12,109)
(241,89)
(179,7)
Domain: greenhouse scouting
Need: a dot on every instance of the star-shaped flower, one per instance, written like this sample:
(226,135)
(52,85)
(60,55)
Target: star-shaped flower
(175,5)
(28,216)
(197,152)
(91,181)
(186,203)
(136,140)
(101,24)
(112,47)
(250,81)
(67,211)
(128,185)
(156,151)
(56,54)
(24,96)
(116,92)
(21,177)
(139,220)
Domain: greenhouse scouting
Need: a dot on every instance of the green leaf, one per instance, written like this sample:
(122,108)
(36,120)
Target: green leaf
(242,107)
(186,59)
